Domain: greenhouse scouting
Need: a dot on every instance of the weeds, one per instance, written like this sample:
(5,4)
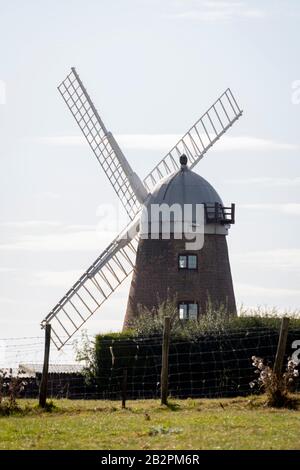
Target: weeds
(216,319)
(85,352)
(161,430)
(10,388)
(277,387)
(50,406)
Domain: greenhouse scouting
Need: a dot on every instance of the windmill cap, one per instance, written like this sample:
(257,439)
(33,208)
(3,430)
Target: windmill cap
(184,187)
(183,160)
(179,189)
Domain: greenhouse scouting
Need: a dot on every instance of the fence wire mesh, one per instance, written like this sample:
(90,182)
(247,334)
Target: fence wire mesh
(213,365)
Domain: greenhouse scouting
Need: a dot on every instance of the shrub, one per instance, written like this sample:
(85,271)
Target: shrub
(118,350)
(216,319)
(10,388)
(85,352)
(277,387)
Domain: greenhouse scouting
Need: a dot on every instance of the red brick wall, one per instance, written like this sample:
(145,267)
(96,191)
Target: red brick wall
(156,274)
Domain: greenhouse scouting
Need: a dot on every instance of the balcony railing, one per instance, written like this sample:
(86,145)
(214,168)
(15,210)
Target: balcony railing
(218,214)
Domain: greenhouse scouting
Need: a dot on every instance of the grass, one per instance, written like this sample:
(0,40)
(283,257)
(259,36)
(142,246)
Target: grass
(240,423)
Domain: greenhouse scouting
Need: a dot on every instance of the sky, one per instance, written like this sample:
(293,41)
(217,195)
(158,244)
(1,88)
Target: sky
(152,68)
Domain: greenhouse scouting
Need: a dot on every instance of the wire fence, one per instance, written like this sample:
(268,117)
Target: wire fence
(30,349)
(213,365)
(216,364)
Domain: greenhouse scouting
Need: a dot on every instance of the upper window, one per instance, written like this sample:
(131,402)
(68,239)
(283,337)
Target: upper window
(188,311)
(187,262)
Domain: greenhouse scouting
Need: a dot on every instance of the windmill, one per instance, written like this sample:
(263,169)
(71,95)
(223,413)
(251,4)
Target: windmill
(118,260)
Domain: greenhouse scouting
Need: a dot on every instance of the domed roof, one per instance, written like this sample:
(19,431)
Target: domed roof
(184,187)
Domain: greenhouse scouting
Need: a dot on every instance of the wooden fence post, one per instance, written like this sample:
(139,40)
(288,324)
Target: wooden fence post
(44,380)
(124,388)
(164,379)
(281,347)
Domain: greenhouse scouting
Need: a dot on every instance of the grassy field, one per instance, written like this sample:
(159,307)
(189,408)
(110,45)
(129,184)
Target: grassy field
(239,423)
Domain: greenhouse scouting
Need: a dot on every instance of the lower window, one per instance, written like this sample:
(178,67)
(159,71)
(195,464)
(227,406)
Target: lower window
(188,310)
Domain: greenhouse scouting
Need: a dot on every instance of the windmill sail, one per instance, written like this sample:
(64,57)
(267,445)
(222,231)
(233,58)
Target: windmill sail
(124,181)
(199,138)
(100,280)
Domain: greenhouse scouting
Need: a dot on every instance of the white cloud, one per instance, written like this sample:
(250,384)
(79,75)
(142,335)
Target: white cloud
(8,300)
(62,140)
(216,11)
(286,259)
(66,278)
(36,225)
(127,141)
(6,270)
(268,181)
(44,235)
(164,142)
(288,208)
(259,291)
(56,278)
(67,241)
(30,224)
(48,195)
(248,143)
(291,209)
(79,227)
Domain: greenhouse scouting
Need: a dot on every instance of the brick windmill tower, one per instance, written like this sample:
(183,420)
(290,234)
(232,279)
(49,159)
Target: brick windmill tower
(168,265)
(161,266)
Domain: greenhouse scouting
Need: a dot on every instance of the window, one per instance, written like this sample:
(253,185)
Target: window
(192,261)
(187,262)
(193,311)
(183,311)
(182,262)
(188,311)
